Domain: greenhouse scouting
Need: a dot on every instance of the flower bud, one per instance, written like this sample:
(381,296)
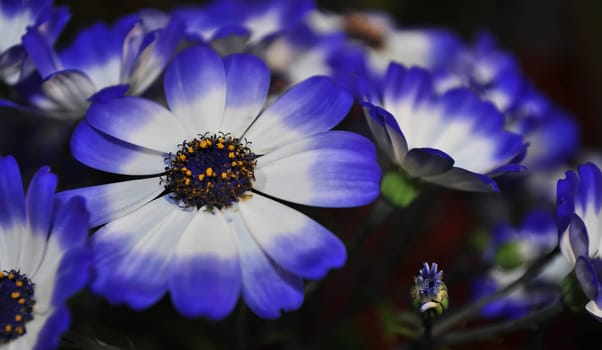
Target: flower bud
(429,293)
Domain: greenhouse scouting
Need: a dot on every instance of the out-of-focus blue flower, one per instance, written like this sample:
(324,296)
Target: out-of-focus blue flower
(44,258)
(208,160)
(15,17)
(511,251)
(372,40)
(103,61)
(455,140)
(553,135)
(238,25)
(579,204)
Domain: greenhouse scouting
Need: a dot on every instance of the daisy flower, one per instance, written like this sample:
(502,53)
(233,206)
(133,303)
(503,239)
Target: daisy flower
(511,250)
(15,17)
(44,258)
(454,140)
(579,202)
(103,61)
(206,222)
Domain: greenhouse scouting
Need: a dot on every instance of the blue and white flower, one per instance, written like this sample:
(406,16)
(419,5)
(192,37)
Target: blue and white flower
(44,258)
(201,223)
(511,251)
(238,25)
(579,205)
(15,17)
(454,140)
(103,61)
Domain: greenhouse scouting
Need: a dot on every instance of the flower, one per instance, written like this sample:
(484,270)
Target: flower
(579,201)
(511,251)
(429,292)
(236,26)
(454,140)
(15,17)
(200,224)
(44,258)
(103,61)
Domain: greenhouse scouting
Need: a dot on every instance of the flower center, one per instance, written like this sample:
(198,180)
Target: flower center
(212,170)
(361,28)
(16,304)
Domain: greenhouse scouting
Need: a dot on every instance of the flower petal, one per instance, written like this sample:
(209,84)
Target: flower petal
(154,57)
(112,201)
(39,206)
(12,210)
(139,122)
(464,180)
(294,241)
(67,263)
(69,89)
(205,271)
(195,88)
(248,80)
(107,153)
(310,107)
(132,253)
(421,162)
(266,287)
(331,169)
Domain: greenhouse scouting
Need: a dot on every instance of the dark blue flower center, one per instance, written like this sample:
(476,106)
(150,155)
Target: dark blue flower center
(16,304)
(212,171)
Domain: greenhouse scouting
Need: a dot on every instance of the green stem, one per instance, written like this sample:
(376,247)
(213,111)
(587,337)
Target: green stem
(531,321)
(468,312)
(381,210)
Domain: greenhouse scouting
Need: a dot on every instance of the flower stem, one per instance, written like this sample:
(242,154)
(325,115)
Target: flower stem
(531,321)
(469,311)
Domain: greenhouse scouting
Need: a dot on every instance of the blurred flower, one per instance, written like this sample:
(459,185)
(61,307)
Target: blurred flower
(102,62)
(579,223)
(455,140)
(15,17)
(238,25)
(44,258)
(429,293)
(511,251)
(197,225)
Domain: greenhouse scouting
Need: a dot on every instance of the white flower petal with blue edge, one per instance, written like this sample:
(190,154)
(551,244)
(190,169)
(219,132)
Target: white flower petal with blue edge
(107,153)
(248,81)
(204,276)
(195,88)
(112,201)
(310,107)
(133,253)
(267,288)
(139,122)
(330,169)
(293,240)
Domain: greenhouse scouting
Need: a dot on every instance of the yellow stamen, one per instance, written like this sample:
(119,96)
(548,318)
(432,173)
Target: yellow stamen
(209,171)
(15,295)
